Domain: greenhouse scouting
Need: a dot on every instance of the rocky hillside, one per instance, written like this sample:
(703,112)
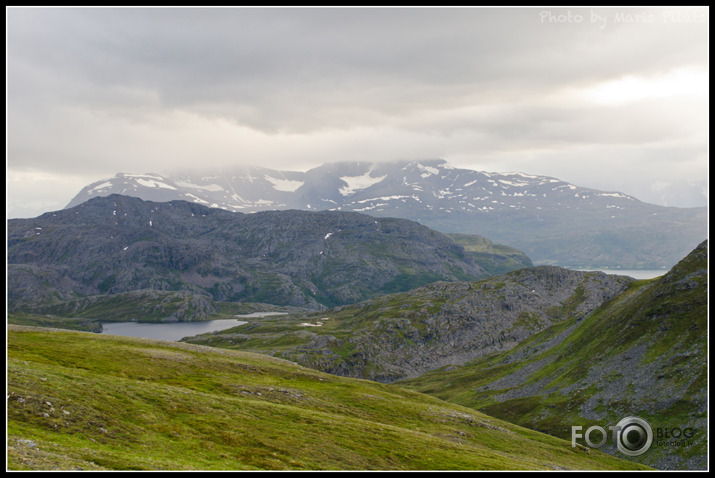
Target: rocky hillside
(552,221)
(644,353)
(119,244)
(81,401)
(407,334)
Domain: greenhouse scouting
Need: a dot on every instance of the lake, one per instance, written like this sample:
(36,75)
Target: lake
(176,331)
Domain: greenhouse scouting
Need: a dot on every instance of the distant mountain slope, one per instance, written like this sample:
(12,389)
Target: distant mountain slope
(496,259)
(80,401)
(644,354)
(407,334)
(119,244)
(552,221)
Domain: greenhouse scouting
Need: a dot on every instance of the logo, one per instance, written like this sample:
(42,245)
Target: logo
(633,436)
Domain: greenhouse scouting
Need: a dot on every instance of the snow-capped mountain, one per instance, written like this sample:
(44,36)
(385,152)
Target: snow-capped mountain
(365,187)
(553,221)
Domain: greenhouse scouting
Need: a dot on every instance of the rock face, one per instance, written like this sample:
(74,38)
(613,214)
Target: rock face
(552,221)
(118,244)
(407,334)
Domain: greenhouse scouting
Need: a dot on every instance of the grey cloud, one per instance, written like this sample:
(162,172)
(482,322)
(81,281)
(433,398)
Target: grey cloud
(253,64)
(106,89)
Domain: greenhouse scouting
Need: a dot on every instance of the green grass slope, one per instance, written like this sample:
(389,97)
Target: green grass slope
(643,354)
(496,259)
(78,400)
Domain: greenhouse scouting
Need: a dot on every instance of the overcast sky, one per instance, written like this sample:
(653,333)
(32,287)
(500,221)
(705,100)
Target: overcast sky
(613,99)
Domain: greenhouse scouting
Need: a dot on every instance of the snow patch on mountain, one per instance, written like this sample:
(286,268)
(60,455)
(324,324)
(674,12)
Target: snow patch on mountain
(195,199)
(151,183)
(356,183)
(208,187)
(97,188)
(286,185)
(616,195)
(519,184)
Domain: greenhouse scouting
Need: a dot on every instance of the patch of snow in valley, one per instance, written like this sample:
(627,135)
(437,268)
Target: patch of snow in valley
(356,183)
(286,185)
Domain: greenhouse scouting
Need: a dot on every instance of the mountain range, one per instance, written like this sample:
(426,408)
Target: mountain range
(122,248)
(552,221)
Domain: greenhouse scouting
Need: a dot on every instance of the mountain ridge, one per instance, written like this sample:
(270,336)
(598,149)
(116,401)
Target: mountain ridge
(552,221)
(119,244)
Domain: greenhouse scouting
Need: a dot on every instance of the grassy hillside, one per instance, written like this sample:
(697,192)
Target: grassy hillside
(643,354)
(95,402)
(494,258)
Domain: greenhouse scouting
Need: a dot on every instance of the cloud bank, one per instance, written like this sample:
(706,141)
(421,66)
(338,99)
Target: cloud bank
(607,98)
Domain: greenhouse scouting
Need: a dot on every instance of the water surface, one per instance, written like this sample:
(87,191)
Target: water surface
(176,331)
(173,331)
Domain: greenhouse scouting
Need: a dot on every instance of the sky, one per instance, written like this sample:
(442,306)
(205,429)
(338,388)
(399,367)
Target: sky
(614,99)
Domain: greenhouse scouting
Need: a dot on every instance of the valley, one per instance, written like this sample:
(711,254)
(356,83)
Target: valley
(344,297)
